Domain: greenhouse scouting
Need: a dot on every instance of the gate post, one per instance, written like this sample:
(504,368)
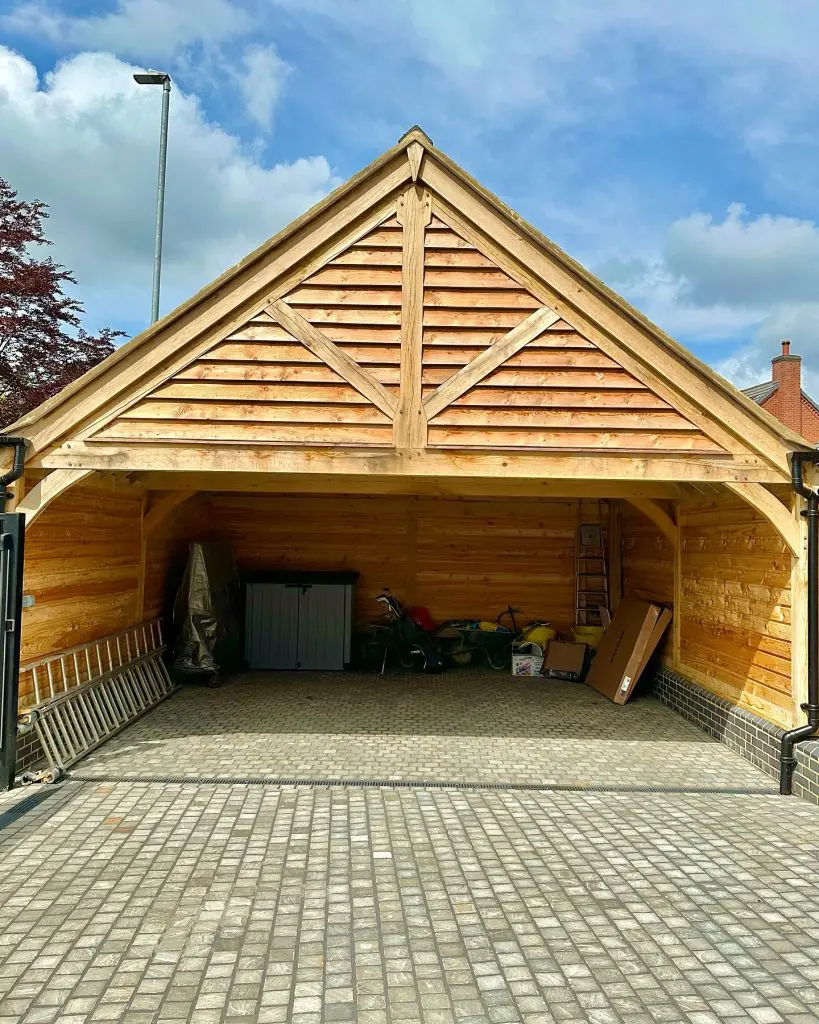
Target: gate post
(12,541)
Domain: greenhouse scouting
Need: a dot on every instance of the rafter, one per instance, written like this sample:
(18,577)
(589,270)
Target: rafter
(488,360)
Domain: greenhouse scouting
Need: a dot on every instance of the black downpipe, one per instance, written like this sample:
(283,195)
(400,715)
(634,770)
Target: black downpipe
(787,759)
(16,471)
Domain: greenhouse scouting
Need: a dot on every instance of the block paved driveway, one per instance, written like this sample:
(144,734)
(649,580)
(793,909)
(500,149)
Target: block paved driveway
(212,902)
(469,727)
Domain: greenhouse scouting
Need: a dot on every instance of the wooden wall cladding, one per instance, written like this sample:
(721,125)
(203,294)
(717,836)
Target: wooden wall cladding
(648,558)
(457,557)
(736,605)
(166,554)
(559,392)
(82,567)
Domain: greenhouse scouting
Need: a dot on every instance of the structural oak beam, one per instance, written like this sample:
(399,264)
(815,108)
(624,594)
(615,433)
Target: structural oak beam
(47,490)
(160,509)
(410,423)
(257,458)
(658,516)
(772,509)
(490,359)
(337,359)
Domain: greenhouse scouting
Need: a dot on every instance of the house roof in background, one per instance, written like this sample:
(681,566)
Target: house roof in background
(761,392)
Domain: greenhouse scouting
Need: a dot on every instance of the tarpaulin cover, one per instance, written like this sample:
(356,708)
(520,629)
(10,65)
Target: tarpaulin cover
(206,613)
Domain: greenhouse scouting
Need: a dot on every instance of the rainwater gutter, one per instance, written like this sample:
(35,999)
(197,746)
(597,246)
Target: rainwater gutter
(787,758)
(16,471)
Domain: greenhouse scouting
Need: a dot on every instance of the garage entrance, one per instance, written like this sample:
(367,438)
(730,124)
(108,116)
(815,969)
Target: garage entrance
(411,383)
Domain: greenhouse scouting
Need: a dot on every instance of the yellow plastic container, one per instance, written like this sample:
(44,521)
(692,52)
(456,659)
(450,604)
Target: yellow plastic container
(540,635)
(590,635)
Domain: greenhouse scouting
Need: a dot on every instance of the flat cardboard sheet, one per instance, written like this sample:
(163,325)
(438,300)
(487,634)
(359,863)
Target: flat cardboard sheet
(624,649)
(564,660)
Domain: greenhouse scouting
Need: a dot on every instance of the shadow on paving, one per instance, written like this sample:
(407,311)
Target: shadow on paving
(470,727)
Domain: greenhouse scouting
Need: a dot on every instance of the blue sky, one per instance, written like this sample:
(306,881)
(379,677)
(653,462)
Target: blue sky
(670,148)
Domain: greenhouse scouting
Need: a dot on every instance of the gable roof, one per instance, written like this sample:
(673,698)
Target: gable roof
(760,393)
(570,290)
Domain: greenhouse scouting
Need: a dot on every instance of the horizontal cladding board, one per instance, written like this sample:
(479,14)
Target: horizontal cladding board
(744,662)
(204,370)
(445,240)
(624,440)
(461,298)
(555,378)
(267,412)
(483,337)
(307,295)
(383,236)
(308,433)
(530,357)
(461,258)
(369,256)
(557,398)
(386,334)
(613,419)
(235,391)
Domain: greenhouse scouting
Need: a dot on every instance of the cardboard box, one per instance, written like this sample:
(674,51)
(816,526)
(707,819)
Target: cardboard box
(634,632)
(527,664)
(565,661)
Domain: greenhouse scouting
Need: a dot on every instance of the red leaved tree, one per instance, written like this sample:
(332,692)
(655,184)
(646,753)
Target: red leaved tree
(42,346)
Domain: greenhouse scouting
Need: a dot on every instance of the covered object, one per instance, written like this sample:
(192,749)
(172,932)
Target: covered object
(412,383)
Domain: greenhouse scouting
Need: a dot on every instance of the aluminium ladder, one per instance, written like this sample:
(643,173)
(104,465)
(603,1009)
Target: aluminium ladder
(591,574)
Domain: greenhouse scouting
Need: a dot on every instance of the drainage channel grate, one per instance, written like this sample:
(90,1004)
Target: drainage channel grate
(513,787)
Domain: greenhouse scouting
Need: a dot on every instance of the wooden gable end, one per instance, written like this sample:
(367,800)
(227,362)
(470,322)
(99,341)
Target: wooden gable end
(269,382)
(322,365)
(556,390)
(414,316)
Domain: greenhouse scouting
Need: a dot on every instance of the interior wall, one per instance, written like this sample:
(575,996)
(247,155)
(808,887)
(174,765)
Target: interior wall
(457,557)
(735,615)
(647,564)
(166,552)
(82,567)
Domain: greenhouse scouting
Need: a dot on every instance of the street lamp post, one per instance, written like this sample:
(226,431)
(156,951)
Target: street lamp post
(163,79)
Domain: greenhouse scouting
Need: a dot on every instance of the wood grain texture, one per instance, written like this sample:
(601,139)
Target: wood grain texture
(456,557)
(410,422)
(555,384)
(82,567)
(735,593)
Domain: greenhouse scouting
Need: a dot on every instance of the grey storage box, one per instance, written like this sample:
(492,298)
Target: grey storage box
(299,620)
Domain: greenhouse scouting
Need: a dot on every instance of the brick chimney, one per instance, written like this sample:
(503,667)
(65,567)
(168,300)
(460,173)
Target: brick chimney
(786,402)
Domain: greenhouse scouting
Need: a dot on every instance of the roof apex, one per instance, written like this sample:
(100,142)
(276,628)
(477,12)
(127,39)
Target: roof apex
(416,134)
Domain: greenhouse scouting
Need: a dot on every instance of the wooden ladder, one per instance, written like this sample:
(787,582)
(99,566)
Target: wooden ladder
(591,574)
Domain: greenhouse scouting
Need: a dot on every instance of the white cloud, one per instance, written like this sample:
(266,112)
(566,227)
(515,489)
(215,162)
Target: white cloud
(84,140)
(745,260)
(260,80)
(156,29)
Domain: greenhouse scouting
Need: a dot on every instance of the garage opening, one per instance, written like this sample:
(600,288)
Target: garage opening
(411,384)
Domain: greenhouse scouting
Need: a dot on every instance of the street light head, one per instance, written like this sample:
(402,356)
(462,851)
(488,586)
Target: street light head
(152,78)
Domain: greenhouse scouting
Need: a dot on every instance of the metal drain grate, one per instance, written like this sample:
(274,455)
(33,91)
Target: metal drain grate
(511,787)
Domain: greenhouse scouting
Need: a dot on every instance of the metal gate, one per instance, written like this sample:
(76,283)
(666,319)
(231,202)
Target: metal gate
(12,536)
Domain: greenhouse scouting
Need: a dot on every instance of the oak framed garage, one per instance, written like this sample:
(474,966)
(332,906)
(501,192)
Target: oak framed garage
(410,380)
